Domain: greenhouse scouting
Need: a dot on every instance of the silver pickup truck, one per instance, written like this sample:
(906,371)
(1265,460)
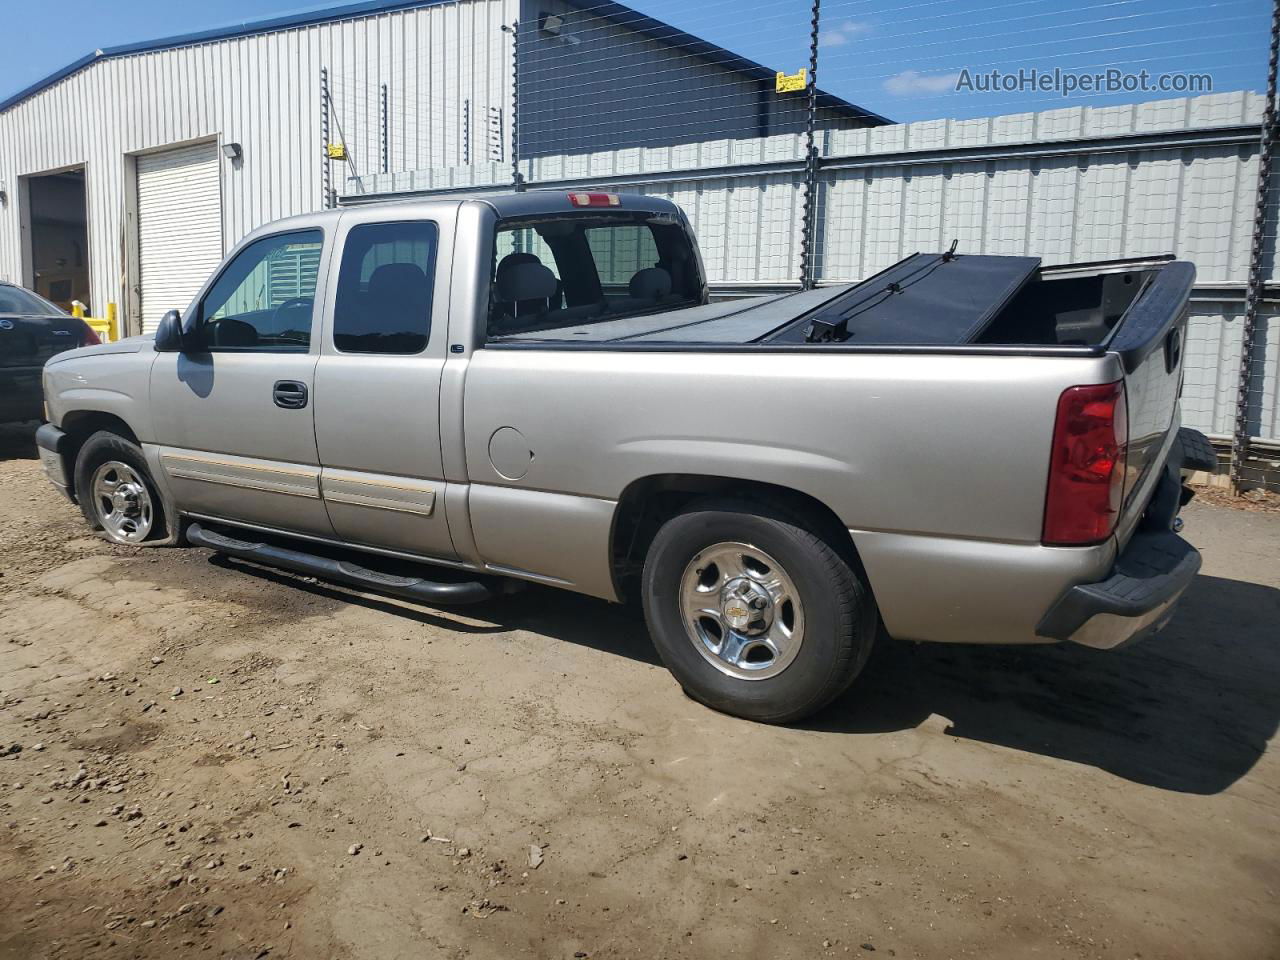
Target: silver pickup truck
(538,387)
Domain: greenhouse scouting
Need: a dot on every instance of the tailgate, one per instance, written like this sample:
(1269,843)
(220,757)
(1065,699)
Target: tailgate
(1149,341)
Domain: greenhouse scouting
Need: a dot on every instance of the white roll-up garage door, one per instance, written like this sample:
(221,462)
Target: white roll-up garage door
(179,227)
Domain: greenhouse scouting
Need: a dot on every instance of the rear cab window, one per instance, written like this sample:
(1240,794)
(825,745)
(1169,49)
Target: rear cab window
(553,275)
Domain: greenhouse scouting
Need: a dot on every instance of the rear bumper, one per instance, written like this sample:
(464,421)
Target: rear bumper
(1135,601)
(21,397)
(1138,596)
(952,590)
(52,446)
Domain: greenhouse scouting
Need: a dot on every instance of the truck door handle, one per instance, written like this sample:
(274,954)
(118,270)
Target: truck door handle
(289,394)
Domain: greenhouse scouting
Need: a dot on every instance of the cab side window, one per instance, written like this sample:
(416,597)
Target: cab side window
(385,286)
(265,298)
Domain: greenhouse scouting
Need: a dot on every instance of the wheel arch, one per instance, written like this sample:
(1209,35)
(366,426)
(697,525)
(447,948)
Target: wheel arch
(79,426)
(648,502)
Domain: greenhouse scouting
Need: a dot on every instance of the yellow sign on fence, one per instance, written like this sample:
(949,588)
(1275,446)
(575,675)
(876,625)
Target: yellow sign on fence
(792,82)
(336,151)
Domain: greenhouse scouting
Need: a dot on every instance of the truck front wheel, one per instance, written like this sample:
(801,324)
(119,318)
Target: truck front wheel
(116,492)
(753,613)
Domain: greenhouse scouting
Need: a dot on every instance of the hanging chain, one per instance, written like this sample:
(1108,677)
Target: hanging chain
(517,181)
(809,216)
(1253,293)
(326,173)
(386,131)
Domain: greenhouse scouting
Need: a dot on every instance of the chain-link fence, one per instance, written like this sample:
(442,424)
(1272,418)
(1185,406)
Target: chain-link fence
(819,143)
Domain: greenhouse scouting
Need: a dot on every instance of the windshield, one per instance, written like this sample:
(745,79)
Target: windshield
(553,275)
(26,304)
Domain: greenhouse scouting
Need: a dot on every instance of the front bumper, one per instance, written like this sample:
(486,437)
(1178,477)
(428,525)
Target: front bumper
(1134,602)
(52,446)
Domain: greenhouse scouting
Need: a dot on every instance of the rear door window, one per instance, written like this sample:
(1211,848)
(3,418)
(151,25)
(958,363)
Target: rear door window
(385,288)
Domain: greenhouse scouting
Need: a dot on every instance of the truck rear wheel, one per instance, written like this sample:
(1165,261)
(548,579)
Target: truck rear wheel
(116,492)
(753,613)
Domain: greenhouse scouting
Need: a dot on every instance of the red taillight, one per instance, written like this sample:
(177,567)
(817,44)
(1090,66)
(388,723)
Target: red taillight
(89,337)
(594,199)
(1086,465)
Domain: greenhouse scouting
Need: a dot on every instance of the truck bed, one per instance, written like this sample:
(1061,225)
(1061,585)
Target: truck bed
(941,304)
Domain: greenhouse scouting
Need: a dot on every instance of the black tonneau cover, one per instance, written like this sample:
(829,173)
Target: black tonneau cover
(925,299)
(924,303)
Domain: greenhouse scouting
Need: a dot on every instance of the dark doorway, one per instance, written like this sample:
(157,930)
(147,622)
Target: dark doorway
(59,238)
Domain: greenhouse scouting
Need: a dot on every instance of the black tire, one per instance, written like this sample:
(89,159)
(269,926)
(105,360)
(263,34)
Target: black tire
(840,619)
(100,448)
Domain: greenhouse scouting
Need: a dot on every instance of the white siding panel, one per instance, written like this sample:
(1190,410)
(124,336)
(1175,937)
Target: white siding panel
(179,226)
(1211,367)
(1101,208)
(922,209)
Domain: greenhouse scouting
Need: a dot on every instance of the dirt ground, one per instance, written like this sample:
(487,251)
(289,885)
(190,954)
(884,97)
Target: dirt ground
(202,758)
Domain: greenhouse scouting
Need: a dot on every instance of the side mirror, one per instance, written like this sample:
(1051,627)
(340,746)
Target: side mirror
(169,337)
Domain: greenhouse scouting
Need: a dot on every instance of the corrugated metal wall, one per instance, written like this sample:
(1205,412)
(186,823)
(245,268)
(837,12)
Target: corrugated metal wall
(261,91)
(1078,183)
(1090,199)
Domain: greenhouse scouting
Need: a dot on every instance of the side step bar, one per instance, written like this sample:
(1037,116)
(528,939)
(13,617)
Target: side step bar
(340,571)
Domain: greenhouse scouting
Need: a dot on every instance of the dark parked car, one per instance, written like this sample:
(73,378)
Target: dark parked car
(31,331)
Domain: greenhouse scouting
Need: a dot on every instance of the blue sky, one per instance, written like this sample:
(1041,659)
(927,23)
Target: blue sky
(898,59)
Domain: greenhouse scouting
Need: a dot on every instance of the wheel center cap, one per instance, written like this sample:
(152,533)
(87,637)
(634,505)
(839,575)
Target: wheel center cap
(746,606)
(125,499)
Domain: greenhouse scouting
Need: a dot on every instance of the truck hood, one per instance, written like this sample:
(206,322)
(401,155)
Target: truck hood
(127,345)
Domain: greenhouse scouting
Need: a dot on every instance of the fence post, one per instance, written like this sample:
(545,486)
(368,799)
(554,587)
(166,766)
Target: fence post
(326,173)
(810,219)
(466,132)
(386,131)
(1257,279)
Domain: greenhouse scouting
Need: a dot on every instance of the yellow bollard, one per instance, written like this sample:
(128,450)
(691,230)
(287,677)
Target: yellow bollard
(107,328)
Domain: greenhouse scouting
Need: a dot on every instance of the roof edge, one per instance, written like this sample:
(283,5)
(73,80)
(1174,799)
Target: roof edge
(349,11)
(614,12)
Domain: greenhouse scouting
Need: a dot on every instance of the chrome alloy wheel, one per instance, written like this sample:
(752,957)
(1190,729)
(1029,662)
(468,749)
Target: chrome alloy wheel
(122,502)
(741,610)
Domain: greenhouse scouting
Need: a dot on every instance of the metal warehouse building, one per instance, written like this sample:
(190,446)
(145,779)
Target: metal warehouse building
(127,175)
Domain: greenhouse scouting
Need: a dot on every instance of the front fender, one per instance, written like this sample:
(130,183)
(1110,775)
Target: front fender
(113,384)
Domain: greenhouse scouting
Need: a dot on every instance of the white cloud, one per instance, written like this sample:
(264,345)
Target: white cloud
(842,33)
(910,83)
